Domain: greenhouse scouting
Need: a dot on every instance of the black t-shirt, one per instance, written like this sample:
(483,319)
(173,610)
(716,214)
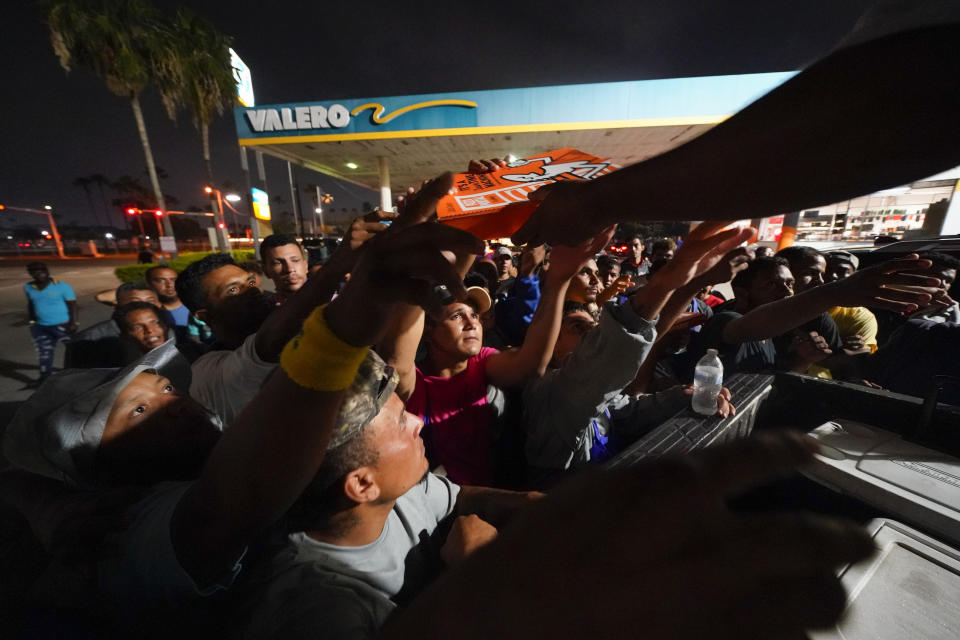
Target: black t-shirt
(752,356)
(822,324)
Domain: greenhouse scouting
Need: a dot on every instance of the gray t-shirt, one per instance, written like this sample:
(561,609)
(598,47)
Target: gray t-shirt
(225,381)
(312,589)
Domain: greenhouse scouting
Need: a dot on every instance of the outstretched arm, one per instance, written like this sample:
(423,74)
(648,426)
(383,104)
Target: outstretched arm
(261,465)
(514,367)
(740,167)
(881,286)
(284,323)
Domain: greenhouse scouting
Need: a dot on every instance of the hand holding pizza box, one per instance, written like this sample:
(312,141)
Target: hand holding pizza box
(495,204)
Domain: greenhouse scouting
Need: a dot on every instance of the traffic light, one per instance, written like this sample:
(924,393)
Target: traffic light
(131,211)
(158,213)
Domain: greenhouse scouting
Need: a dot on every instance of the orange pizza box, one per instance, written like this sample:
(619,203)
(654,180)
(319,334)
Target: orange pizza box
(495,205)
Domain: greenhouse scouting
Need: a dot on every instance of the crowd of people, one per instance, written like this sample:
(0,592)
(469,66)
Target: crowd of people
(408,442)
(308,462)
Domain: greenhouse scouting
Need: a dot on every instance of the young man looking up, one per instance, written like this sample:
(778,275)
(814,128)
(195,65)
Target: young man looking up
(365,535)
(586,285)
(186,540)
(570,412)
(249,328)
(52,308)
(448,390)
(284,262)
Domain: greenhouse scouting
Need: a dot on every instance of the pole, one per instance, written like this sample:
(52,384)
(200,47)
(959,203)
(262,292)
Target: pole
(222,235)
(254,225)
(159,227)
(386,199)
(143,234)
(56,234)
(789,232)
(323,232)
(293,199)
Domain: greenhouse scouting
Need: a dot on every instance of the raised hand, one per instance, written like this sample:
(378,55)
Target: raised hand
(531,257)
(564,216)
(567,260)
(706,247)
(421,205)
(616,287)
(405,265)
(887,287)
(671,558)
(486,166)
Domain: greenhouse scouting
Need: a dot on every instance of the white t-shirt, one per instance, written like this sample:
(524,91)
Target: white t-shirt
(225,381)
(312,589)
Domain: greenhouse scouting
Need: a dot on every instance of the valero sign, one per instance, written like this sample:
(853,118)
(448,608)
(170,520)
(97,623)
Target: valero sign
(319,117)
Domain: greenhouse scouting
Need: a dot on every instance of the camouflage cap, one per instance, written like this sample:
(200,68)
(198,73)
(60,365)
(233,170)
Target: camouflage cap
(373,386)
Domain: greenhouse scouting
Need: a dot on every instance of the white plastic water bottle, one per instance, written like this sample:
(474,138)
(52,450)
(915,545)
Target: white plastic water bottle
(707,382)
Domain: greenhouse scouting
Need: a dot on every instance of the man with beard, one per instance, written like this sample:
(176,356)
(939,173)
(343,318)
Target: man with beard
(284,262)
(163,281)
(249,336)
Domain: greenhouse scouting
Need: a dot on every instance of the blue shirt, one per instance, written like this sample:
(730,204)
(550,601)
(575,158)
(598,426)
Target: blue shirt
(50,303)
(180,315)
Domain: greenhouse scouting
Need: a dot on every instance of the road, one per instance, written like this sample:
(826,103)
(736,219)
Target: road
(18,361)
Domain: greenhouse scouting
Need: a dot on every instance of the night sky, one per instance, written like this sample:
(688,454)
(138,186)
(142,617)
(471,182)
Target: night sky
(55,126)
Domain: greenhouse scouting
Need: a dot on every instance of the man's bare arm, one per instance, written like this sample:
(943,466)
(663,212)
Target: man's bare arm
(770,157)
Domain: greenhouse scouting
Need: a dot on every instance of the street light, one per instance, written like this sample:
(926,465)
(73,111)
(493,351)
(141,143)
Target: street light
(46,211)
(222,238)
(233,197)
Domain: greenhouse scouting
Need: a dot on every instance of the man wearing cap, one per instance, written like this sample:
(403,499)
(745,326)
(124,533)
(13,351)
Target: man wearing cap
(449,388)
(367,533)
(186,539)
(857,325)
(503,258)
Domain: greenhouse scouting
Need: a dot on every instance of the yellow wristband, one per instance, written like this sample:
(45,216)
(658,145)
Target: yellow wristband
(317,359)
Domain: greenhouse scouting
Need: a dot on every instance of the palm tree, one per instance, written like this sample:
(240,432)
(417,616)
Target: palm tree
(101,181)
(121,41)
(200,77)
(84,183)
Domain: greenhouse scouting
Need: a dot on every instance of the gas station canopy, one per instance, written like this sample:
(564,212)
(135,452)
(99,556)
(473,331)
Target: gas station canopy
(395,142)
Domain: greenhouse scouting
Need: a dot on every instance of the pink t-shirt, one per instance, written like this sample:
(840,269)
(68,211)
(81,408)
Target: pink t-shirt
(457,421)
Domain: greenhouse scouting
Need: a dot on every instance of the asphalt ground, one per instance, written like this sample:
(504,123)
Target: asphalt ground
(18,360)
